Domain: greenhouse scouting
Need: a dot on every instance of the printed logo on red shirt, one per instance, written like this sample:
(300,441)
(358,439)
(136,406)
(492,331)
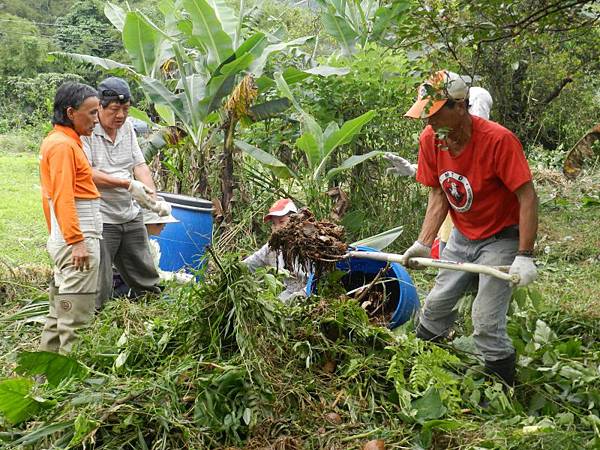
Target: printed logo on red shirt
(458,190)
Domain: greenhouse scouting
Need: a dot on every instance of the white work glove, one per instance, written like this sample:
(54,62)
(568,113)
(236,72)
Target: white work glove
(525,268)
(141,194)
(161,208)
(400,166)
(417,250)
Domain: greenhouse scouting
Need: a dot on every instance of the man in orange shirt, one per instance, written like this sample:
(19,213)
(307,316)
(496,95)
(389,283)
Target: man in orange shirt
(72,208)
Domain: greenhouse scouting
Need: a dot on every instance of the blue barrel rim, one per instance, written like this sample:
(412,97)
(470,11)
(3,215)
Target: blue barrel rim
(408,301)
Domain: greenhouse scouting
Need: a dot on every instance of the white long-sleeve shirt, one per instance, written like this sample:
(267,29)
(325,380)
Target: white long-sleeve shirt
(295,283)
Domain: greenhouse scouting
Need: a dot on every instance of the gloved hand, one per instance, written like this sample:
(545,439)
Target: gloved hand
(400,166)
(417,250)
(525,268)
(141,194)
(161,208)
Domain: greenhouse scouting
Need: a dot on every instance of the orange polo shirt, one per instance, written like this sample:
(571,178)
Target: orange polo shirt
(65,175)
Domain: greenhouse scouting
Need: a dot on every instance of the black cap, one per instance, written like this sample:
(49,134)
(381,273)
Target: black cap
(114,88)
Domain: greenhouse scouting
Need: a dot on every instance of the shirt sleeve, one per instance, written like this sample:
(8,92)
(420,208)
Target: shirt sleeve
(258,259)
(510,162)
(427,166)
(61,162)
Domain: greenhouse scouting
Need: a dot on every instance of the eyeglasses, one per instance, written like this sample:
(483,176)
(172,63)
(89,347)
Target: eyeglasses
(113,94)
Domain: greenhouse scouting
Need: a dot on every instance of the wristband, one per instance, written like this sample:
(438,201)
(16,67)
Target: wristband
(527,253)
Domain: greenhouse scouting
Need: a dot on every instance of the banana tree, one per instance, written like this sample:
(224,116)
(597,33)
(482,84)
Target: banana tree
(190,64)
(319,145)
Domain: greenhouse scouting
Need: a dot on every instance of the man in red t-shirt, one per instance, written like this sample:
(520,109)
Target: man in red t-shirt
(477,170)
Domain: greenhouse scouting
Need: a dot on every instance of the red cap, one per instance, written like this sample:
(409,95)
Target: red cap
(281,207)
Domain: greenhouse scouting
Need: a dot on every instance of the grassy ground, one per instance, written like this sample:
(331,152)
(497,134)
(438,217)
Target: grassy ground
(22,226)
(155,366)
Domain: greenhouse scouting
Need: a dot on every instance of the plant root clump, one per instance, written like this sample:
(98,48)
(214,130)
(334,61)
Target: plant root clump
(315,246)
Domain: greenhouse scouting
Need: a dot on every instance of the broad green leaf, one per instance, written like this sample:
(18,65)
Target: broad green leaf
(332,127)
(16,404)
(543,333)
(139,114)
(104,63)
(309,124)
(208,28)
(345,134)
(221,86)
(309,145)
(381,240)
(55,367)
(429,406)
(141,40)
(165,113)
(159,94)
(226,15)
(279,168)
(255,45)
(115,14)
(269,109)
(341,31)
(258,65)
(351,162)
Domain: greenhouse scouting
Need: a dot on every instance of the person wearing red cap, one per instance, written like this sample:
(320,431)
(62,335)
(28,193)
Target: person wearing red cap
(477,170)
(295,282)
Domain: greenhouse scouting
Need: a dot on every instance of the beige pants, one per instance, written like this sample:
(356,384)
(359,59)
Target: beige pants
(72,296)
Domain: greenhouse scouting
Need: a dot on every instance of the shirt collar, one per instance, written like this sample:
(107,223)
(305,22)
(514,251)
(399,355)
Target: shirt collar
(69,132)
(100,131)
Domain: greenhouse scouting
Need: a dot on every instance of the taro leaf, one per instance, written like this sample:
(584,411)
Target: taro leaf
(429,406)
(279,168)
(15,402)
(269,109)
(55,367)
(115,14)
(351,162)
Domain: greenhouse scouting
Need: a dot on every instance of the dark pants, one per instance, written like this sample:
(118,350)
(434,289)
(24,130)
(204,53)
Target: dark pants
(126,246)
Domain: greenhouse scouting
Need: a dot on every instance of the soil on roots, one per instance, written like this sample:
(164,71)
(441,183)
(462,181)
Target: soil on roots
(315,246)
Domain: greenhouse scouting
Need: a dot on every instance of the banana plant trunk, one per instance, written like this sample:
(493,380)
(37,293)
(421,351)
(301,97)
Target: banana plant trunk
(227,178)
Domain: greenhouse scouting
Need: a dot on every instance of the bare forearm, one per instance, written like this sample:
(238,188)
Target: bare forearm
(528,216)
(437,209)
(104,180)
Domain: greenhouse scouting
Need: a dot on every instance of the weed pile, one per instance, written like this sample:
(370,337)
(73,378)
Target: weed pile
(313,245)
(224,364)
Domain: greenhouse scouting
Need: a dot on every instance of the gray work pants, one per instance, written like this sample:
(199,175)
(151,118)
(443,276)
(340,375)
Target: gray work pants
(493,295)
(126,246)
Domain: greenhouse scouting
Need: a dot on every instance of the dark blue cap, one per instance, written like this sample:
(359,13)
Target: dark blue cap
(114,88)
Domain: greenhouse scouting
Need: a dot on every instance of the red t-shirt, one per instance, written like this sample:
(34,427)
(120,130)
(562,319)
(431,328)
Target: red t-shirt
(480,182)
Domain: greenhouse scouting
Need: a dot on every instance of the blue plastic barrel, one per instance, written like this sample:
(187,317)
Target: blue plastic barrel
(400,288)
(182,244)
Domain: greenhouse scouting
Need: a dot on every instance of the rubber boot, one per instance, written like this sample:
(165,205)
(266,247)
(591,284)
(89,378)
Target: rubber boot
(426,335)
(50,341)
(74,312)
(503,368)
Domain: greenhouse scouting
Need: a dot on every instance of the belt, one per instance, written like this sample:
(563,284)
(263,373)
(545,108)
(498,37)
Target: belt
(511,232)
